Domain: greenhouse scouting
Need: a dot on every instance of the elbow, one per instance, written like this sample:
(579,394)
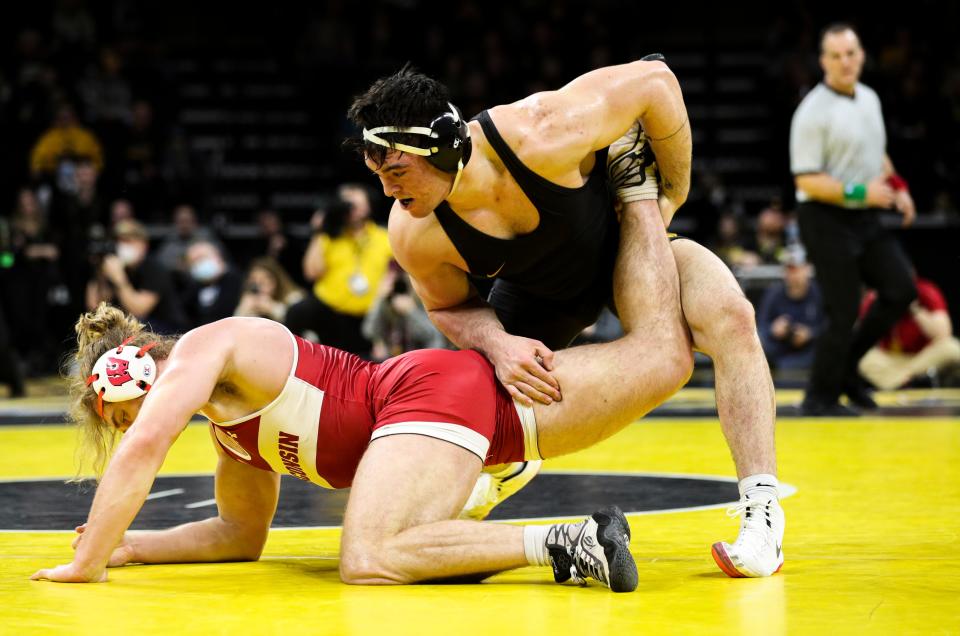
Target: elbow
(679,192)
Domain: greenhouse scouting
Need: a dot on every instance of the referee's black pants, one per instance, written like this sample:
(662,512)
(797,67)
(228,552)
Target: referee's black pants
(849,249)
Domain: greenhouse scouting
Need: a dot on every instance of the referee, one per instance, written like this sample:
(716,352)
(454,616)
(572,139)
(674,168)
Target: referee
(844,181)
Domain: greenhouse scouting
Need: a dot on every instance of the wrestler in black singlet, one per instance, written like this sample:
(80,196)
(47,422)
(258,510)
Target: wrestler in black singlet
(553,282)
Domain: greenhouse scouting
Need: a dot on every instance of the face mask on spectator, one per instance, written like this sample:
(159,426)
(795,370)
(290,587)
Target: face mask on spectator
(205,270)
(128,253)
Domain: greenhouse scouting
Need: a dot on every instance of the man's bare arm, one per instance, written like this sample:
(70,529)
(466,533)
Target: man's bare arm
(463,317)
(597,108)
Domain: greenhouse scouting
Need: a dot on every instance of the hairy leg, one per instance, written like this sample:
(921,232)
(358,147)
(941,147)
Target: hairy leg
(723,326)
(607,386)
(400,525)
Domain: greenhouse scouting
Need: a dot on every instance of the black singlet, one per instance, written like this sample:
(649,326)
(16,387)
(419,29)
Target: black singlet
(552,282)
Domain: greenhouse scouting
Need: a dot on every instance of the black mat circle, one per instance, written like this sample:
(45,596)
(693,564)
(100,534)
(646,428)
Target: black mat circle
(54,505)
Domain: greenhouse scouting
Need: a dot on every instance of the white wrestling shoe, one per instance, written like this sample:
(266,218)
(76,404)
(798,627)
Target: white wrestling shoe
(632,167)
(758,551)
(597,548)
(494,488)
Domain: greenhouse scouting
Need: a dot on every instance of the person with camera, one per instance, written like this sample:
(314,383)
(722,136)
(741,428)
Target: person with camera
(268,292)
(345,261)
(791,316)
(127,277)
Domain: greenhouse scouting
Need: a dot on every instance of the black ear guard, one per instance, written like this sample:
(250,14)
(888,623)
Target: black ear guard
(447,146)
(453,147)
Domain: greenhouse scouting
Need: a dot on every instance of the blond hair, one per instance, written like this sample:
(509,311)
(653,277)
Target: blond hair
(97,332)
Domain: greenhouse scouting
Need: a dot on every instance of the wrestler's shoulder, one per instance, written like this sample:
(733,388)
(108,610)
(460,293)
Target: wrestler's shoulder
(414,238)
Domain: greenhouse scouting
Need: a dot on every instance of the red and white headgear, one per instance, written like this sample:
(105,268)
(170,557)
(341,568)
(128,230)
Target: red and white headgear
(122,374)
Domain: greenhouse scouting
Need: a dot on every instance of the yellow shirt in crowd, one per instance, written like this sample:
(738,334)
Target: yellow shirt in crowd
(62,142)
(355,265)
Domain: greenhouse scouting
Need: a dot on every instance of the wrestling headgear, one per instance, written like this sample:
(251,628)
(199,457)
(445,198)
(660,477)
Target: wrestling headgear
(447,146)
(122,374)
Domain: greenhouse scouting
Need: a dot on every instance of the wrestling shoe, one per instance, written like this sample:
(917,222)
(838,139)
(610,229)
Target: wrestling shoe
(758,550)
(632,168)
(597,548)
(494,488)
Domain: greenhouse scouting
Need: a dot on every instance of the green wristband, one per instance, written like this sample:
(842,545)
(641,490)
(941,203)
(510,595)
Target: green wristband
(854,193)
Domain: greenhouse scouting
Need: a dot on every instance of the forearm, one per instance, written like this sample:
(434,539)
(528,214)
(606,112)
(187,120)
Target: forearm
(934,324)
(119,497)
(667,127)
(314,264)
(138,303)
(822,188)
(470,325)
(200,541)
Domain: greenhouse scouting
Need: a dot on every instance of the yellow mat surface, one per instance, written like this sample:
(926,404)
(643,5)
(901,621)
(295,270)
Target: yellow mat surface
(871,547)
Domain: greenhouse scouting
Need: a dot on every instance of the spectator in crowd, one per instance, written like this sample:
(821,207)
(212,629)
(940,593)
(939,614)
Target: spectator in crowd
(107,100)
(10,372)
(921,343)
(791,316)
(56,152)
(186,229)
(141,159)
(137,283)
(346,260)
(76,217)
(397,322)
(729,243)
(268,292)
(121,210)
(213,291)
(768,240)
(276,243)
(106,94)
(33,276)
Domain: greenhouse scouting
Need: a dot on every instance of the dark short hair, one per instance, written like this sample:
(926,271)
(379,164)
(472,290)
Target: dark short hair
(834,28)
(406,98)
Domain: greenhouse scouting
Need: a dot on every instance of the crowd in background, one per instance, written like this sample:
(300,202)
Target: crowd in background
(103,200)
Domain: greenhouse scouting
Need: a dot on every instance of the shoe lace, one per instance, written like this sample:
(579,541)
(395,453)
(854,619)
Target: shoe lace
(747,507)
(587,565)
(572,556)
(756,516)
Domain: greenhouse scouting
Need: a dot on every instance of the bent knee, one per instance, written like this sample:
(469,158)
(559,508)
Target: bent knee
(732,320)
(363,566)
(674,363)
(951,347)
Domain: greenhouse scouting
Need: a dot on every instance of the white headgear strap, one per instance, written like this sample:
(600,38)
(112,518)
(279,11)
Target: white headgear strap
(373,136)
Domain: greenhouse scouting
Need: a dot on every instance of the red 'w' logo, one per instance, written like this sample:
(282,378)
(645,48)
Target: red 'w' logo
(117,372)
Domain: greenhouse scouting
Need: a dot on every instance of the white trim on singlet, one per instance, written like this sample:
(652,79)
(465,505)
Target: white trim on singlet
(528,422)
(456,434)
(293,371)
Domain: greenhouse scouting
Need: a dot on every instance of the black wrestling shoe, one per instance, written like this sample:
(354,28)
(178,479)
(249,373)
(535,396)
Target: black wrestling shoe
(600,550)
(859,395)
(819,408)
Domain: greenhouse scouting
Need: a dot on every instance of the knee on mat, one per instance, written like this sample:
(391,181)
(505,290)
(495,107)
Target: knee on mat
(362,565)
